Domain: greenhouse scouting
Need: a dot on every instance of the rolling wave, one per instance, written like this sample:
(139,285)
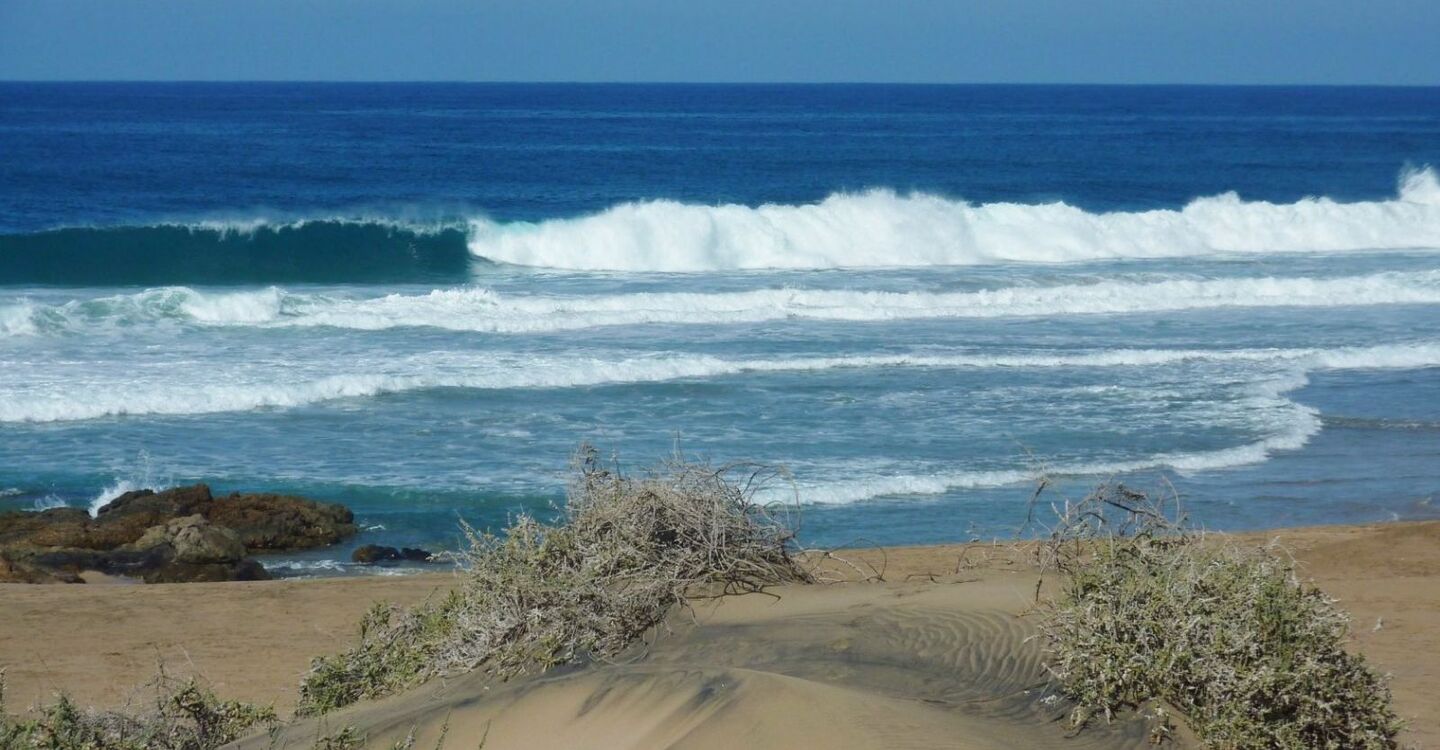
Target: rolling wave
(482,310)
(881,228)
(132,394)
(237,252)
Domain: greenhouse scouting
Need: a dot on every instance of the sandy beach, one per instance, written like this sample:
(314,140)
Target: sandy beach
(935,655)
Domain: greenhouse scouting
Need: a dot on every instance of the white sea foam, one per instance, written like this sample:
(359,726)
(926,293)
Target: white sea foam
(482,310)
(134,395)
(231,308)
(111,492)
(318,568)
(1291,436)
(881,228)
(1290,426)
(18,319)
(48,502)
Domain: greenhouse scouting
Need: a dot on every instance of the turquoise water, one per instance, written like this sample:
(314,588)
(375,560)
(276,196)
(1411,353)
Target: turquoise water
(418,299)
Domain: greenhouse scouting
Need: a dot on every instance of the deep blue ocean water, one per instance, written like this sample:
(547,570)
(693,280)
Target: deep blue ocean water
(417,299)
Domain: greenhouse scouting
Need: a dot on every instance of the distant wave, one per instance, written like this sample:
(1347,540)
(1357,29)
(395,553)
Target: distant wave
(237,252)
(1292,426)
(881,228)
(1290,437)
(1374,423)
(136,397)
(473,309)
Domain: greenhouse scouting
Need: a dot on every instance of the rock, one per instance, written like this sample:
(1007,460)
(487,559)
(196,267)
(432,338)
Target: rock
(124,519)
(20,571)
(375,553)
(180,534)
(176,501)
(193,539)
(121,562)
(282,522)
(264,521)
(183,572)
(57,527)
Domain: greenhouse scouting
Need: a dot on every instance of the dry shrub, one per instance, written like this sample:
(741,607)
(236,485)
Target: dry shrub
(1151,612)
(624,551)
(185,715)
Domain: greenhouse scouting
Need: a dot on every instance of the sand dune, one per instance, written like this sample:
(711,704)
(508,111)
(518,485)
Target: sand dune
(936,657)
(911,665)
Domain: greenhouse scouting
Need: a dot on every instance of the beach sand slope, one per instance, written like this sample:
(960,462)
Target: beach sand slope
(935,657)
(901,665)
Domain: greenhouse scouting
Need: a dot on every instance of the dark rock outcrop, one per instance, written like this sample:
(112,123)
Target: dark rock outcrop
(281,522)
(181,534)
(178,572)
(22,571)
(264,521)
(374,553)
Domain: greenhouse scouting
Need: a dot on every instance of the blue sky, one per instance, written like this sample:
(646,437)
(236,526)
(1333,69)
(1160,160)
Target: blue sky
(1019,41)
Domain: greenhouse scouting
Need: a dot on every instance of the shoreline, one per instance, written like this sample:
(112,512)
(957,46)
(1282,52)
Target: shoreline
(253,640)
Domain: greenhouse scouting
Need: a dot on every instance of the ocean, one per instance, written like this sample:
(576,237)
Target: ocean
(418,299)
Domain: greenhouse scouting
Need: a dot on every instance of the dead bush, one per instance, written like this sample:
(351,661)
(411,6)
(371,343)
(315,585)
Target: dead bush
(624,551)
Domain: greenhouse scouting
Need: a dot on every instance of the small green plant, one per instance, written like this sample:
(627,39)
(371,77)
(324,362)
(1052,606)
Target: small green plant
(1150,611)
(397,647)
(185,716)
(348,738)
(623,553)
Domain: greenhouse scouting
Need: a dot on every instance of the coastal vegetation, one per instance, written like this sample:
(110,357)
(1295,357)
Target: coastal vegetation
(1213,640)
(624,551)
(183,715)
(1152,613)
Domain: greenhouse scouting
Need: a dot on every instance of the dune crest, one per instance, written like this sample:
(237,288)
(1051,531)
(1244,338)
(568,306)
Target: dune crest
(856,665)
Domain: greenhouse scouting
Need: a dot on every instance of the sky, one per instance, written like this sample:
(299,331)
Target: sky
(931,41)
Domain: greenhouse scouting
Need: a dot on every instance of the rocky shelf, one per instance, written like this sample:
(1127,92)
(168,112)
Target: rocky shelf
(178,535)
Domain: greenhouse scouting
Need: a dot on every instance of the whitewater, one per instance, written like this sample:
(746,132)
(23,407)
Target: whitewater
(879,228)
(882,228)
(483,310)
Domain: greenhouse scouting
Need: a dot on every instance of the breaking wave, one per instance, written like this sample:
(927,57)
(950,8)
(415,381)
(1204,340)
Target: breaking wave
(878,228)
(120,487)
(882,228)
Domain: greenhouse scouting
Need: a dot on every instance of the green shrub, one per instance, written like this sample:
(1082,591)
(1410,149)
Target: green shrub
(185,716)
(623,553)
(1227,637)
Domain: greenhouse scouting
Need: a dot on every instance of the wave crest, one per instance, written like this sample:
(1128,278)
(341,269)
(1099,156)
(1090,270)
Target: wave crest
(882,228)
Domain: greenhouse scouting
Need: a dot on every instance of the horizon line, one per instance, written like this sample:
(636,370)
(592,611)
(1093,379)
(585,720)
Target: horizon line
(559,82)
